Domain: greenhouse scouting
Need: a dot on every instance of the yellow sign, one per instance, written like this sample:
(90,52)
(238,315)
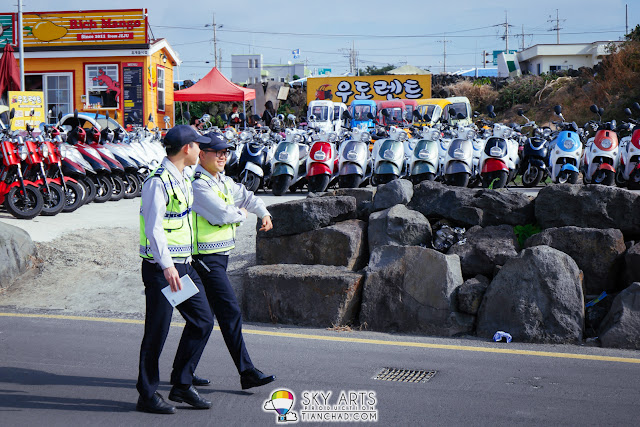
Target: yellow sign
(53,29)
(29,109)
(376,88)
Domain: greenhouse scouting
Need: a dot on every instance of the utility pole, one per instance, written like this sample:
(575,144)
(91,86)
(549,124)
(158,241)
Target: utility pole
(444,42)
(20,44)
(215,39)
(557,26)
(506,32)
(626,19)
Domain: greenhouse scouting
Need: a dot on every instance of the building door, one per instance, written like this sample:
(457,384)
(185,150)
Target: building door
(57,93)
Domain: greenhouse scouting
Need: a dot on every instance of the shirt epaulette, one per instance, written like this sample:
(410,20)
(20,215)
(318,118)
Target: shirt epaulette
(197,175)
(159,171)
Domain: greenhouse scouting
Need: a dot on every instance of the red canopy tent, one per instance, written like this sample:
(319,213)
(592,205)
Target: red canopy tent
(214,87)
(9,71)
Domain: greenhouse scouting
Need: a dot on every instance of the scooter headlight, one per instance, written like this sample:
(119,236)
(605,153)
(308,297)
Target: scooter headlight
(229,134)
(546,133)
(332,137)
(568,144)
(471,134)
(434,135)
(64,151)
(264,137)
(606,143)
(458,154)
(22,152)
(402,136)
(298,138)
(244,135)
(365,137)
(44,150)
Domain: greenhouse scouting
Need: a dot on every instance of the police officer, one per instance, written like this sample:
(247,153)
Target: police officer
(219,205)
(166,240)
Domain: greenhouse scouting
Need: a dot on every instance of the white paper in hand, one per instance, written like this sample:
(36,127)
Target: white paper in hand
(188,290)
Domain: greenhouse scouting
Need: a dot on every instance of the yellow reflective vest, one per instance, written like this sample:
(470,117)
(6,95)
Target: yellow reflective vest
(211,239)
(177,222)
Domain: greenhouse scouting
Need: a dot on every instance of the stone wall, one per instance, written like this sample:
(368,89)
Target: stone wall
(367,258)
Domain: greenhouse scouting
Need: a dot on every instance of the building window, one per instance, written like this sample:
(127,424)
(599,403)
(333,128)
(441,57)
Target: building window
(103,88)
(539,69)
(57,93)
(255,63)
(282,79)
(250,63)
(160,88)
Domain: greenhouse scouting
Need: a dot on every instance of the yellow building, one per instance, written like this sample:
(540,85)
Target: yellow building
(99,61)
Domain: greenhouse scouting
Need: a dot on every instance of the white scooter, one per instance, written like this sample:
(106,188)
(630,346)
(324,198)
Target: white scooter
(355,163)
(389,157)
(600,157)
(628,173)
(458,162)
(288,164)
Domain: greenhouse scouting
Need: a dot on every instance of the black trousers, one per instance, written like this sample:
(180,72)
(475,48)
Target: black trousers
(224,305)
(196,313)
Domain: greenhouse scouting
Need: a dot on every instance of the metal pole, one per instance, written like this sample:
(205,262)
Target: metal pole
(506,32)
(215,42)
(558,26)
(20,44)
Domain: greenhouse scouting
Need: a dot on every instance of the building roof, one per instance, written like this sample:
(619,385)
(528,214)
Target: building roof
(408,69)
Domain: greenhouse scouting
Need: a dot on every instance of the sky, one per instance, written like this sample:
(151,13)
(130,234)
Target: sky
(382,32)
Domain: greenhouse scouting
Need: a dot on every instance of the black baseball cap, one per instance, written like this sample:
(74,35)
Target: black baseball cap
(215,142)
(182,135)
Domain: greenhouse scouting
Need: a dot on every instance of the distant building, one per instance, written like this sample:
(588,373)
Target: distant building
(478,72)
(249,69)
(545,58)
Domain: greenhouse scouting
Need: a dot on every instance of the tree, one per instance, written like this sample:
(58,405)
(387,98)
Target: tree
(372,70)
(634,35)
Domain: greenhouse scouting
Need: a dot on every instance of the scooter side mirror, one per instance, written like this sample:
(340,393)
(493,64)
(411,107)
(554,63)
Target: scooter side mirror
(416,115)
(594,109)
(557,109)
(476,114)
(59,115)
(460,116)
(346,115)
(601,111)
(291,117)
(312,118)
(151,117)
(75,114)
(255,117)
(385,112)
(223,116)
(167,119)
(636,106)
(187,116)
(107,115)
(370,116)
(452,112)
(520,112)
(492,115)
(115,116)
(490,109)
(95,117)
(241,116)
(426,117)
(628,112)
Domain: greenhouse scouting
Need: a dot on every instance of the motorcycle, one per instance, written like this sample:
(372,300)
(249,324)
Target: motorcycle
(565,149)
(322,161)
(117,175)
(600,157)
(533,166)
(255,161)
(354,159)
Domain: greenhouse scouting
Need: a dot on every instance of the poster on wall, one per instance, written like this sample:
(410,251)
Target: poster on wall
(7,29)
(132,88)
(29,106)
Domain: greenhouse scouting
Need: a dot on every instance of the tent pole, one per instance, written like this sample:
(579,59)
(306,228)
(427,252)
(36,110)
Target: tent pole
(244,110)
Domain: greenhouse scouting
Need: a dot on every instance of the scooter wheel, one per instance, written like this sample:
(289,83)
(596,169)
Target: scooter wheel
(280,184)
(634,180)
(417,179)
(604,177)
(318,183)
(54,199)
(349,181)
(90,188)
(104,189)
(24,206)
(251,181)
(457,179)
(74,196)
(132,186)
(531,176)
(494,180)
(119,188)
(383,178)
(620,181)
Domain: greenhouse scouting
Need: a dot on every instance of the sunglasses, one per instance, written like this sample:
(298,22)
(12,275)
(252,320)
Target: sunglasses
(221,153)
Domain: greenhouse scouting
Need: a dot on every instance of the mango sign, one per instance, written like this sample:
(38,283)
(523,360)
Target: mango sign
(24,103)
(376,88)
(54,29)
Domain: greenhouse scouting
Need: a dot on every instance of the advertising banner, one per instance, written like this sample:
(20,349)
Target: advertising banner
(86,28)
(25,102)
(376,88)
(7,29)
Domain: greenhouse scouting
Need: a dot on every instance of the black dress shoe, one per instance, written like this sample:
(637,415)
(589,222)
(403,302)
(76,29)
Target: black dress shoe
(190,396)
(254,378)
(199,381)
(155,405)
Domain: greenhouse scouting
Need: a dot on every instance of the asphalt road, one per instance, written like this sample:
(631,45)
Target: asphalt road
(74,371)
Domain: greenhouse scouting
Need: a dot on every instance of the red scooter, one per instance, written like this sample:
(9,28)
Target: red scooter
(21,197)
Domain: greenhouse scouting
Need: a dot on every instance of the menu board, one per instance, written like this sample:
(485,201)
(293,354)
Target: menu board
(29,108)
(133,91)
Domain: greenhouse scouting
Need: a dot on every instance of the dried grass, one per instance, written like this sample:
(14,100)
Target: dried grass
(479,95)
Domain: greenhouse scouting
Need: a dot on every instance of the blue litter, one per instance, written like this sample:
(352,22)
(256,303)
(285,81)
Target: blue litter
(500,334)
(597,300)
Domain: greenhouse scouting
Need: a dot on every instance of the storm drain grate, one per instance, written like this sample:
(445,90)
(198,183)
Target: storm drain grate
(404,375)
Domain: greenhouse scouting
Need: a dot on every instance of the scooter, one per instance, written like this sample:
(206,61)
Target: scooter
(117,175)
(458,162)
(533,166)
(423,163)
(322,162)
(21,197)
(565,151)
(600,158)
(354,159)
(495,159)
(389,155)
(255,161)
(628,173)
(289,162)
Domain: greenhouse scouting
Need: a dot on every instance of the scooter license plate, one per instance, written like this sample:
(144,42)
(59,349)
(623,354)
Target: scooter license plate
(283,156)
(352,155)
(389,155)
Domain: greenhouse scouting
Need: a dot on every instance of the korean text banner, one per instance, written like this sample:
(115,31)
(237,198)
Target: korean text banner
(55,29)
(24,102)
(377,88)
